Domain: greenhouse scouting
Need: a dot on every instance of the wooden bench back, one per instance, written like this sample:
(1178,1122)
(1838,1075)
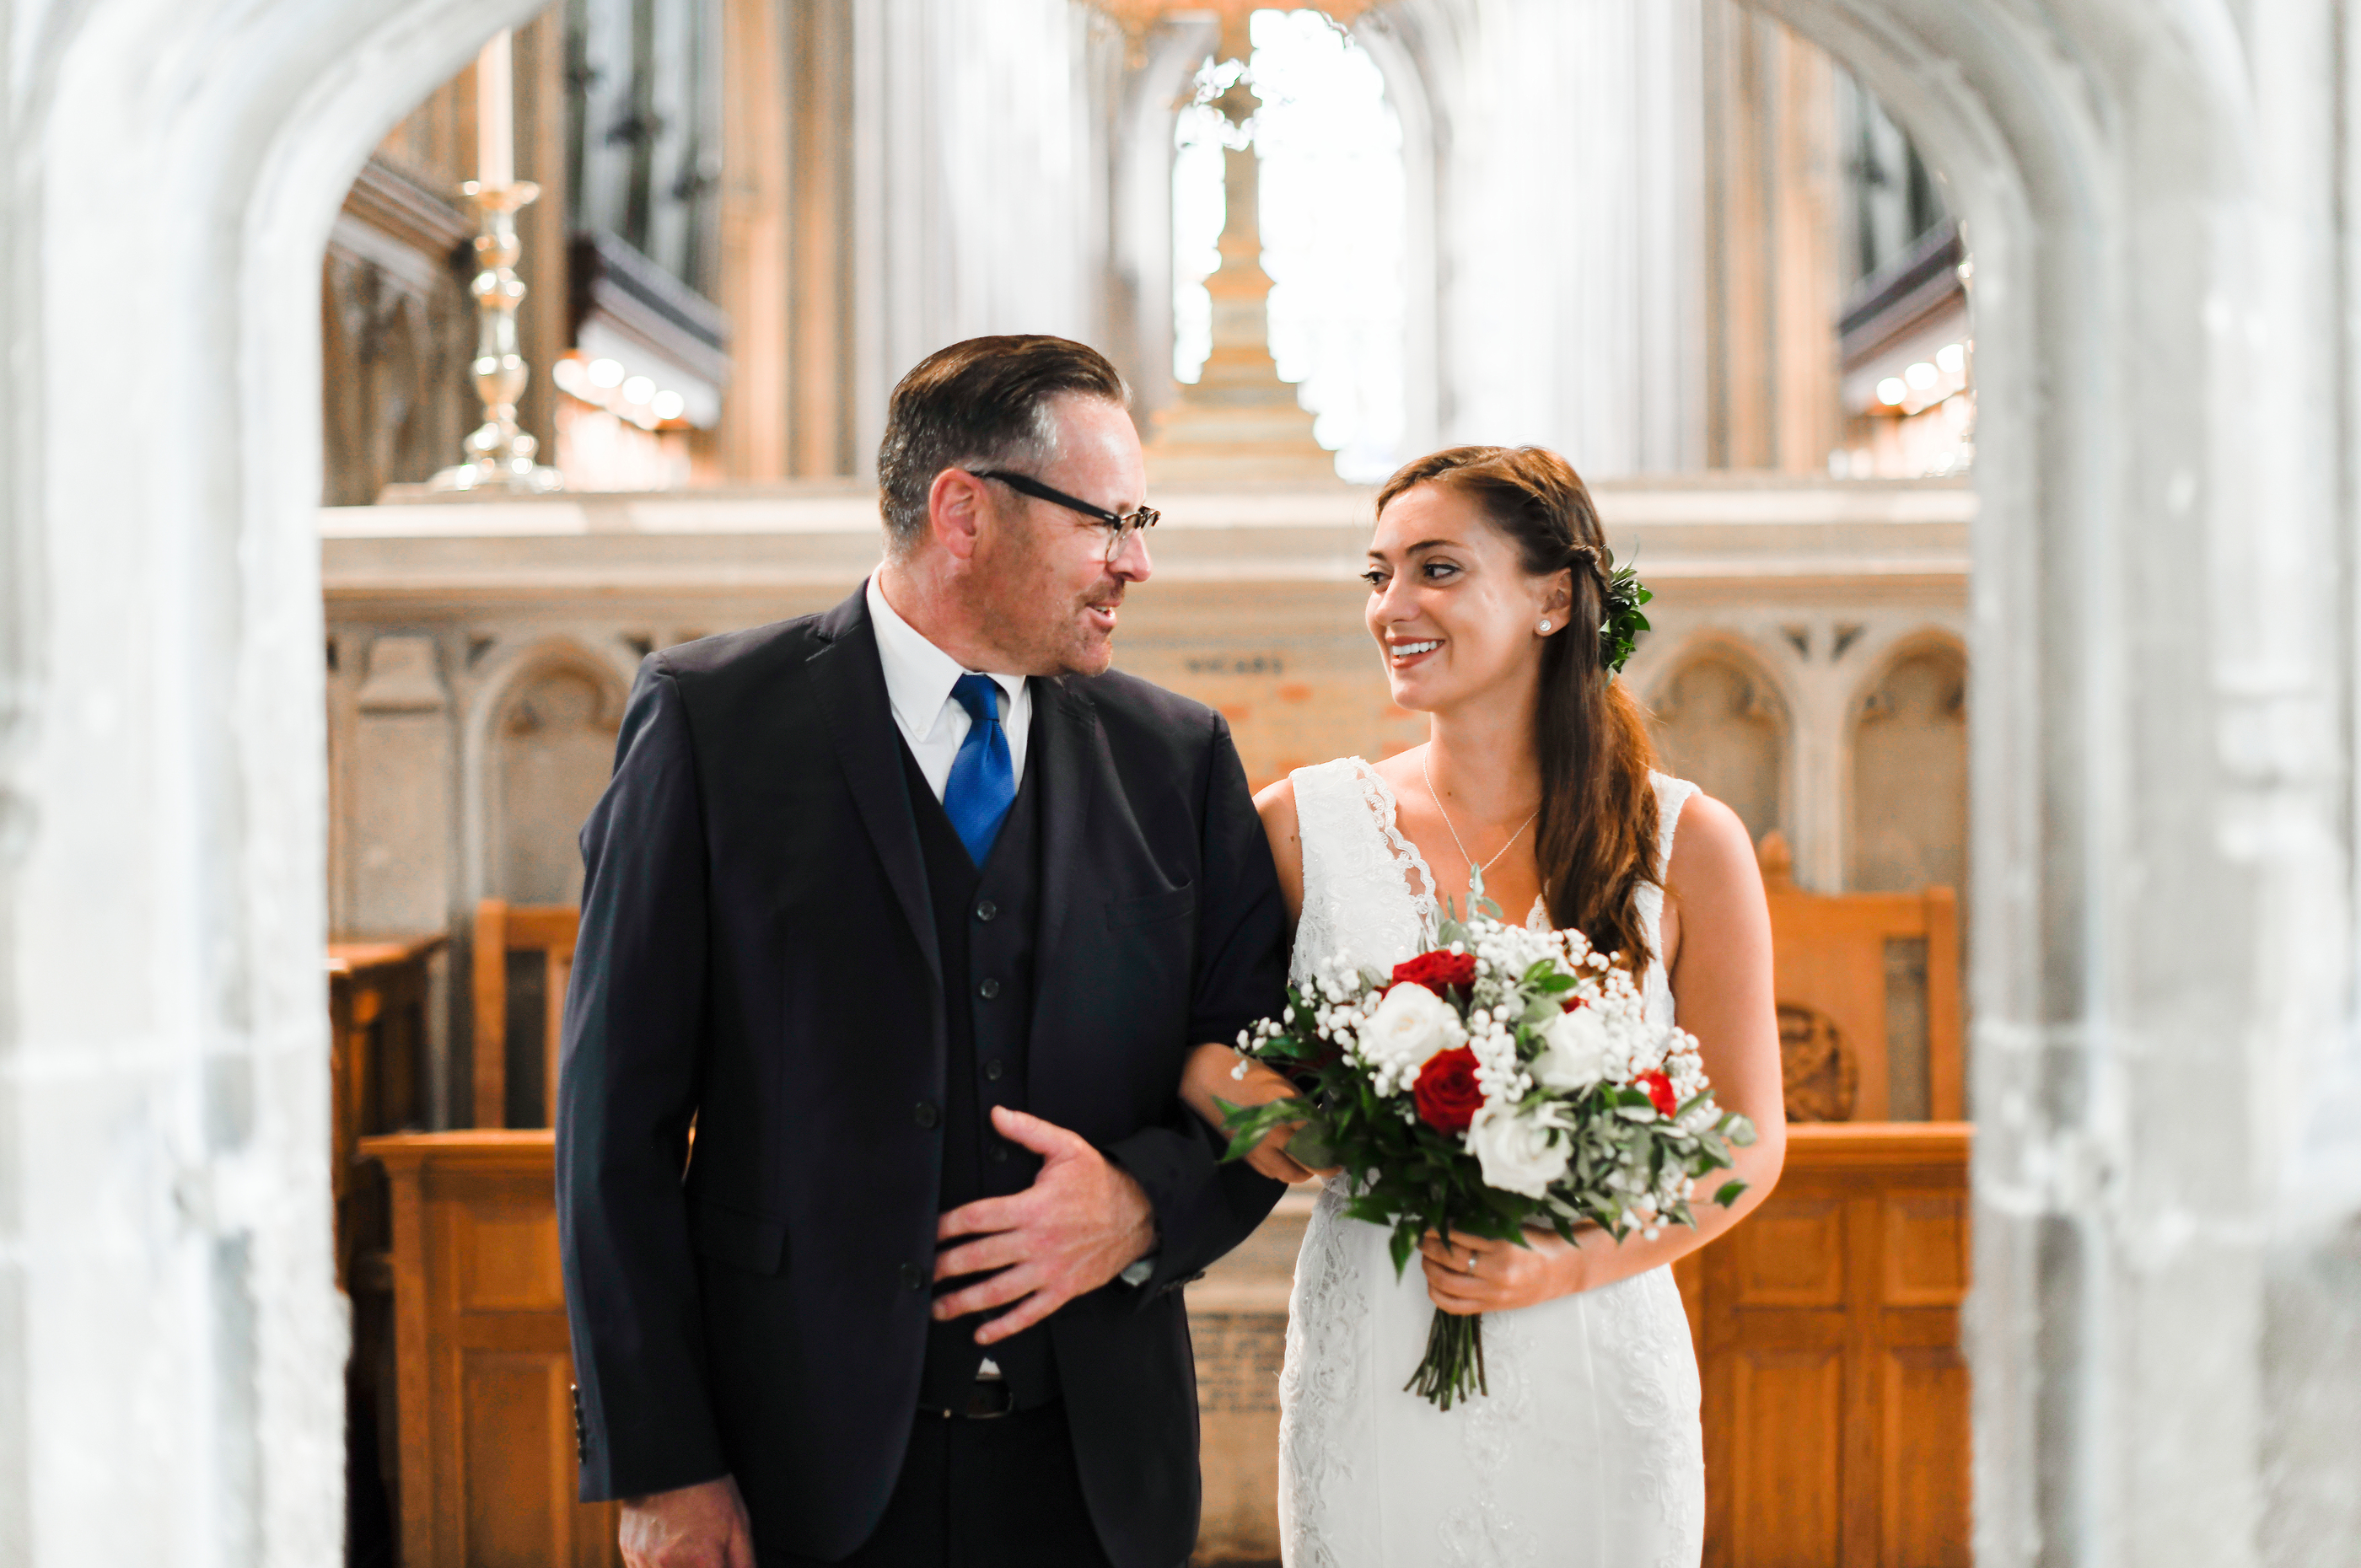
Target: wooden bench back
(503,928)
(1828,959)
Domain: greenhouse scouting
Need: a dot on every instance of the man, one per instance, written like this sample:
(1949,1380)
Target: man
(912,912)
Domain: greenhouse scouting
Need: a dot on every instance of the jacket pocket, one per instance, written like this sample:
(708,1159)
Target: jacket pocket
(755,1243)
(1126,912)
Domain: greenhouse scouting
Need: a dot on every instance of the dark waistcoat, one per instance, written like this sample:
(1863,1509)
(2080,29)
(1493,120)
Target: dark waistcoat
(984,923)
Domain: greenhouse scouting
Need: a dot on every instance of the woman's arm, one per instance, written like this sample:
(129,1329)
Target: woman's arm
(1209,1075)
(1719,929)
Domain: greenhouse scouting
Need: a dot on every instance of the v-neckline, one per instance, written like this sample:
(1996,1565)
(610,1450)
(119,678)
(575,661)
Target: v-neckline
(1386,807)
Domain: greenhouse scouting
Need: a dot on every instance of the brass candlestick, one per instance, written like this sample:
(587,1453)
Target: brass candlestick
(499,456)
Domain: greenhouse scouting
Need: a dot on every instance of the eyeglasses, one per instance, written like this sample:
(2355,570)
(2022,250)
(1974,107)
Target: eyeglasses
(1119,529)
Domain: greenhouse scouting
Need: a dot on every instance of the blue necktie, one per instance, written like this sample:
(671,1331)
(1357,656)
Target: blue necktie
(984,779)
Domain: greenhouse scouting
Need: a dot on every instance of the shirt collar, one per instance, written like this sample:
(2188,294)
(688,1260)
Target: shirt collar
(919,676)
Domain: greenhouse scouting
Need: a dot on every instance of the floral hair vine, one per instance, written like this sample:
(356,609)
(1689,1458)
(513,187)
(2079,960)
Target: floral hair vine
(1620,627)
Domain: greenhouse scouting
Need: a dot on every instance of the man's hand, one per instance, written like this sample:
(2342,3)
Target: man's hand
(702,1526)
(1081,1223)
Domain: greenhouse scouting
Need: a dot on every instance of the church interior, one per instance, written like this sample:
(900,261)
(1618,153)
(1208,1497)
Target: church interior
(1740,306)
(387,378)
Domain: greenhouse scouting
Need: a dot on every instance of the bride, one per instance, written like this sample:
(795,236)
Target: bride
(1488,595)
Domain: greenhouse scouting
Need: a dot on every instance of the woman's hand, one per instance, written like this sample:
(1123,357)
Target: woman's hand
(1209,1078)
(1469,1274)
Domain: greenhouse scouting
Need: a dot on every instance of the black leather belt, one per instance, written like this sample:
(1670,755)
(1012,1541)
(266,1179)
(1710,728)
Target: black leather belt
(987,1400)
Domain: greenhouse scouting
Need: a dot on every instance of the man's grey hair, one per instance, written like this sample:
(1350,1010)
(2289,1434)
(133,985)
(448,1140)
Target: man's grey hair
(984,403)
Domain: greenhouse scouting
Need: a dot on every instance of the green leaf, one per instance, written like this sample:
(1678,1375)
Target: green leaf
(1730,1193)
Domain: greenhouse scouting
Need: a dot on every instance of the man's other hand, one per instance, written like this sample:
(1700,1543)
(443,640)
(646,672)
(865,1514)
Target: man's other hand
(702,1526)
(1081,1222)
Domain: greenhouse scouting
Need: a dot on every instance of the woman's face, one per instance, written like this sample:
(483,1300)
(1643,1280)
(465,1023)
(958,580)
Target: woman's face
(1454,611)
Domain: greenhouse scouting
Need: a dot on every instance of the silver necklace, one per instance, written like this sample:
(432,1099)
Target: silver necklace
(1475,872)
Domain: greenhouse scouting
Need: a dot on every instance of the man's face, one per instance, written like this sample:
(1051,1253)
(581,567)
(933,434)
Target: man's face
(1040,574)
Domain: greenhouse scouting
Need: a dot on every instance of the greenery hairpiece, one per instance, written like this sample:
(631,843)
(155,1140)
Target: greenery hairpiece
(1619,630)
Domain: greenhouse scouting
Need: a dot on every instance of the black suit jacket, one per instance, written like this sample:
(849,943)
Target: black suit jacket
(757,956)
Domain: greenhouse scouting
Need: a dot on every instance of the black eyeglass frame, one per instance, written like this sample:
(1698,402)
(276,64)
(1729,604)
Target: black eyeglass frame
(1122,527)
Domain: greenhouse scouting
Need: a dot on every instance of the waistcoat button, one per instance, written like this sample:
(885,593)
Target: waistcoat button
(925,1115)
(913,1276)
(988,990)
(987,910)
(994,1069)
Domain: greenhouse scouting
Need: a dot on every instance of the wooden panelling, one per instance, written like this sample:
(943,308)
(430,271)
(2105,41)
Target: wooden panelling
(1830,965)
(1826,1327)
(1836,1400)
(1785,1421)
(484,1370)
(1925,1248)
(1789,1254)
(504,1258)
(1924,1491)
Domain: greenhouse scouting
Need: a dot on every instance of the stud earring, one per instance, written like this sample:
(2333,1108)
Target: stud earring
(1546,625)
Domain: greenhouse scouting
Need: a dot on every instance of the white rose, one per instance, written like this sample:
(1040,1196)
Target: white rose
(1573,1050)
(1519,1153)
(1409,1026)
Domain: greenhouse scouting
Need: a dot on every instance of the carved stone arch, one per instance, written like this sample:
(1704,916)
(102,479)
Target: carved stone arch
(1905,767)
(1723,719)
(539,749)
(2150,187)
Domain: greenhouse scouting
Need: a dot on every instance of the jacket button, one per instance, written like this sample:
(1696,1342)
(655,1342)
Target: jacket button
(988,990)
(925,1115)
(1000,1154)
(994,1069)
(987,910)
(913,1276)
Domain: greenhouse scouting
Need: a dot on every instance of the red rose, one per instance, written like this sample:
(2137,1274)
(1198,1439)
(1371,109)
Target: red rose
(1660,1089)
(1445,1092)
(1437,971)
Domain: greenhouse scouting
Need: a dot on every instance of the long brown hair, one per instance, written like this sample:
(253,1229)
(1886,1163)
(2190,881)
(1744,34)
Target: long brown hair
(1596,843)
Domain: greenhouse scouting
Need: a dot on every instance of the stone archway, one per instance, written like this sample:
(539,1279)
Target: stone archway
(2155,658)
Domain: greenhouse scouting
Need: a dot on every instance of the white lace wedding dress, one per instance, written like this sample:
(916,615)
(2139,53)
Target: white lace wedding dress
(1587,1452)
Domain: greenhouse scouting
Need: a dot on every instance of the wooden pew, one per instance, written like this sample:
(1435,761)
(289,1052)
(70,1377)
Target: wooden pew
(377,1073)
(1826,1325)
(1828,958)
(503,928)
(484,1367)
(1828,1334)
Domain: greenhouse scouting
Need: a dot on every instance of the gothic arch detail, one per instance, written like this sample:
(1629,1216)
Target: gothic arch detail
(1907,745)
(1721,721)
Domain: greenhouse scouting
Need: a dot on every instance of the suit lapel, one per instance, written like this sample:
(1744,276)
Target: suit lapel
(851,687)
(1075,766)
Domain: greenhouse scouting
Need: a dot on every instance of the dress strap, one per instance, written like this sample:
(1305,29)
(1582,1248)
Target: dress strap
(1655,987)
(1672,793)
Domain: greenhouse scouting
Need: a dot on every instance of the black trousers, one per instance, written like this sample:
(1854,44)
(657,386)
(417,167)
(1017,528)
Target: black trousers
(993,1494)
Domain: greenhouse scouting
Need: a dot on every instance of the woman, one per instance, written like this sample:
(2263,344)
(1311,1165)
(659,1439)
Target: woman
(1489,580)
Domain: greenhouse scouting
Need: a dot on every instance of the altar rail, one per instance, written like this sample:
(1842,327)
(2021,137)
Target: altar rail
(1836,1401)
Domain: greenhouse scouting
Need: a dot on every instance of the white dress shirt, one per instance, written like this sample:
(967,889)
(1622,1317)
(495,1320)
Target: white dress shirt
(919,681)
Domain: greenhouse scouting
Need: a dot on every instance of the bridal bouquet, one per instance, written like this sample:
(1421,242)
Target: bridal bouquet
(1506,1080)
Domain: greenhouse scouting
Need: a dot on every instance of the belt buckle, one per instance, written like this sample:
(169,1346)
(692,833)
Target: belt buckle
(989,1398)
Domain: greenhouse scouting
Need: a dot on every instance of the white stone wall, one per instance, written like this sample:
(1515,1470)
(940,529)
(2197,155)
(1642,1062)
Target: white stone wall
(1568,193)
(2169,1155)
(979,178)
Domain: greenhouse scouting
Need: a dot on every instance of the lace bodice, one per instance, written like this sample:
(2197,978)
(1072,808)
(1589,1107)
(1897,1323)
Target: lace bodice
(1586,1451)
(1368,891)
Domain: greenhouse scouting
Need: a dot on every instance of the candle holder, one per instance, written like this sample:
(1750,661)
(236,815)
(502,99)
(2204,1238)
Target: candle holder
(499,456)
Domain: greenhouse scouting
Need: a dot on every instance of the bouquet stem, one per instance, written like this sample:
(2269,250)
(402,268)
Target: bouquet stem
(1452,1367)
